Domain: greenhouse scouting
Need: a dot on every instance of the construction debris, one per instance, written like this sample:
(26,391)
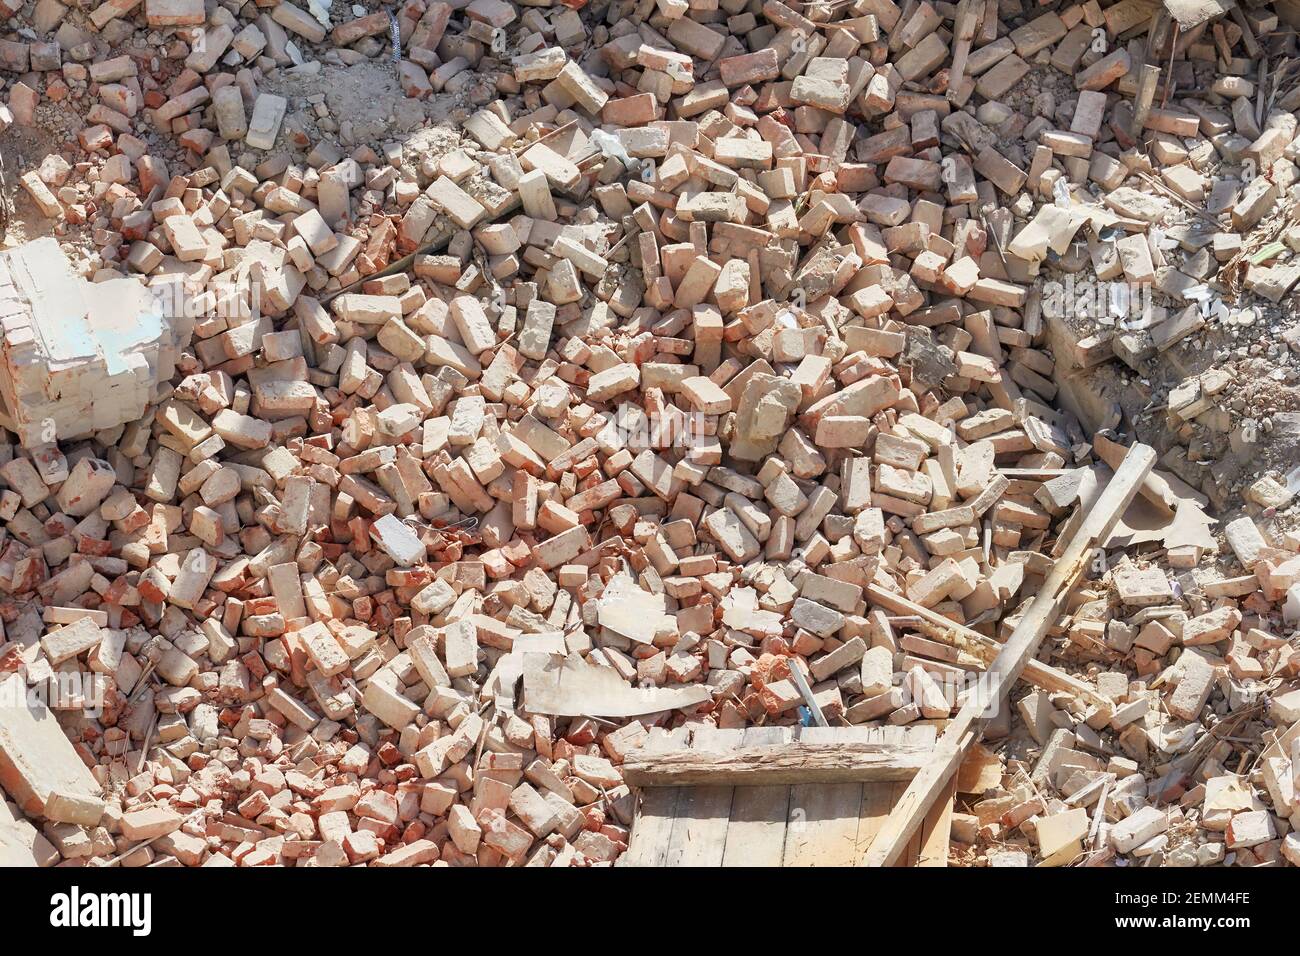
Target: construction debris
(78,357)
(420,417)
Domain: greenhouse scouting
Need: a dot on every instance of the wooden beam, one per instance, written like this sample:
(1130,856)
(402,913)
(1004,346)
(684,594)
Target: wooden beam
(980,707)
(1165,491)
(984,648)
(848,762)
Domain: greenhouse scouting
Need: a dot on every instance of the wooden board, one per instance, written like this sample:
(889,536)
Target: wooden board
(699,832)
(769,764)
(935,832)
(877,800)
(798,824)
(756,831)
(656,810)
(822,829)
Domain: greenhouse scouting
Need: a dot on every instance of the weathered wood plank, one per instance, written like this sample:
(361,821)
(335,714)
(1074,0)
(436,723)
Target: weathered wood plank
(822,829)
(705,737)
(936,832)
(919,735)
(877,800)
(963,638)
(652,825)
(700,829)
(756,831)
(785,763)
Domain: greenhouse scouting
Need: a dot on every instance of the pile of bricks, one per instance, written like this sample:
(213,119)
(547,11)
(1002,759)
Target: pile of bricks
(1184,662)
(711,355)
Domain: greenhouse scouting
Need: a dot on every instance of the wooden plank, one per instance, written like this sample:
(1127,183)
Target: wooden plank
(699,831)
(965,729)
(936,832)
(652,825)
(1164,490)
(929,845)
(877,800)
(915,855)
(700,827)
(930,842)
(822,829)
(919,735)
(977,645)
(847,762)
(913,851)
(651,828)
(756,831)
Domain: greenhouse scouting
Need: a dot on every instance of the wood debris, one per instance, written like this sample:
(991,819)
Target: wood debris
(455,417)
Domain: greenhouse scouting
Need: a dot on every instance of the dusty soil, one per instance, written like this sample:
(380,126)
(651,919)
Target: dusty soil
(363,105)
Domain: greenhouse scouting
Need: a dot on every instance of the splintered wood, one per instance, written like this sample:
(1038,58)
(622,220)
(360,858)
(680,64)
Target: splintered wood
(641,431)
(779,823)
